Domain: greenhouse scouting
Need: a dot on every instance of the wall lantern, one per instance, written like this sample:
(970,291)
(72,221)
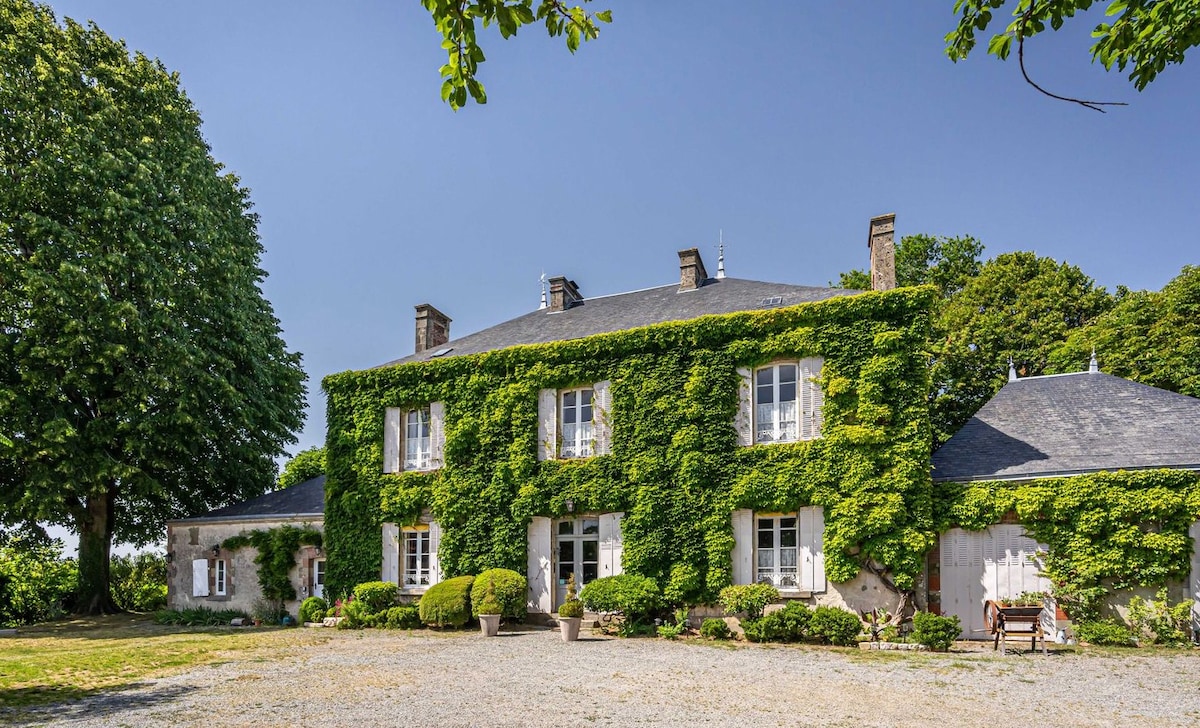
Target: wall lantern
(216,551)
(570,504)
(170,556)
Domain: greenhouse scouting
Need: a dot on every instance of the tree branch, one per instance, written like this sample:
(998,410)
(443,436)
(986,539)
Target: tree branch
(1093,105)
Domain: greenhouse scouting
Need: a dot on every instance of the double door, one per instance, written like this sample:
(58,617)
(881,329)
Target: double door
(576,551)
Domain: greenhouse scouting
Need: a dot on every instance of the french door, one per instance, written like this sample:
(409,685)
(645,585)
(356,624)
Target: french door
(576,551)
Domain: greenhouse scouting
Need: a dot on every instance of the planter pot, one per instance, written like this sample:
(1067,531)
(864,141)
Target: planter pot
(1021,611)
(489,624)
(569,626)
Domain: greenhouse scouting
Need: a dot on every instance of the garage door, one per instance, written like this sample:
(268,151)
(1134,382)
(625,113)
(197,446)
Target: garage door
(1194,532)
(982,565)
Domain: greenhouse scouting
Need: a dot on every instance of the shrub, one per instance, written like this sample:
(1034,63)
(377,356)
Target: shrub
(510,588)
(835,626)
(355,615)
(670,631)
(935,631)
(36,583)
(312,609)
(1165,624)
(139,582)
(715,629)
(267,611)
(378,596)
(750,599)
(636,597)
(790,624)
(447,603)
(1105,632)
(405,617)
(571,606)
(197,617)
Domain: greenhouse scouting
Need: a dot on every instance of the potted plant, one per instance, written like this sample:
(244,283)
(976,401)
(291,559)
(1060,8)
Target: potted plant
(570,613)
(489,612)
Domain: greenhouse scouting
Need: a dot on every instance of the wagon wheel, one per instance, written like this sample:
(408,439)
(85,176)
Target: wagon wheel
(992,618)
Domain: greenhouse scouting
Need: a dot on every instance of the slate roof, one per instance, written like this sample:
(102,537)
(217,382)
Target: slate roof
(1067,424)
(302,499)
(622,311)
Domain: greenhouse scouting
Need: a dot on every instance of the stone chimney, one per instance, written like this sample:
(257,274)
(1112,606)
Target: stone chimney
(563,294)
(433,328)
(691,270)
(883,252)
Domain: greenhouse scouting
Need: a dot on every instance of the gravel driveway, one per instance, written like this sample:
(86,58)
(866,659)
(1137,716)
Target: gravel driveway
(532,678)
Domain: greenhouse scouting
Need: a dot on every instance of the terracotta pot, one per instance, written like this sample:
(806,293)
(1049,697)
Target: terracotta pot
(569,626)
(489,624)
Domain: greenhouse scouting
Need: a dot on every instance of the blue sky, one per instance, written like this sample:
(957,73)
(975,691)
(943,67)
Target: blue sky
(786,125)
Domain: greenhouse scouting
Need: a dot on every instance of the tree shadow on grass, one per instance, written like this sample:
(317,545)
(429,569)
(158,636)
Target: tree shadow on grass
(37,705)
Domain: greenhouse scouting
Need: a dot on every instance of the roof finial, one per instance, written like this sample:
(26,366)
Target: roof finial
(721,254)
(1012,370)
(543,282)
(1092,366)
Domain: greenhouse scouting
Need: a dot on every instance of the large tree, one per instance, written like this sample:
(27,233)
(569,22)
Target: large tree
(307,465)
(947,263)
(142,373)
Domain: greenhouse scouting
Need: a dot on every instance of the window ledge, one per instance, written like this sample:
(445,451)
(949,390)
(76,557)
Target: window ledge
(795,594)
(408,591)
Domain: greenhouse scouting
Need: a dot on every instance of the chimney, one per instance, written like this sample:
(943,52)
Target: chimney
(883,252)
(563,294)
(433,328)
(691,270)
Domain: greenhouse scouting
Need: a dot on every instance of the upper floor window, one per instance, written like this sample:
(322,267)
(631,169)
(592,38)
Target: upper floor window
(576,425)
(780,402)
(574,422)
(413,438)
(775,412)
(417,450)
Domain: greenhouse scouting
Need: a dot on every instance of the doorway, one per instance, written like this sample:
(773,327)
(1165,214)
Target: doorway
(576,551)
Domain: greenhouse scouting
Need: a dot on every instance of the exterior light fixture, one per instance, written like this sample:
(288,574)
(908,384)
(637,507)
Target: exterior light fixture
(570,504)
(216,551)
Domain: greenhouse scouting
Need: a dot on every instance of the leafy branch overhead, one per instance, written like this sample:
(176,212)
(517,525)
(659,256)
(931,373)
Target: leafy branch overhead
(456,20)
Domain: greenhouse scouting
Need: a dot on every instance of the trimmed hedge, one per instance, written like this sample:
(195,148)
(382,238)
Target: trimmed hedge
(636,597)
(790,624)
(377,595)
(510,588)
(313,609)
(447,603)
(715,629)
(405,617)
(934,631)
(835,626)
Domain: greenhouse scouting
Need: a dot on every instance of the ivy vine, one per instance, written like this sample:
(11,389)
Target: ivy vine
(277,549)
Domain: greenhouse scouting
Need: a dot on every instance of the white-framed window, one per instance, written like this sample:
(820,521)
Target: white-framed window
(318,577)
(776,547)
(575,415)
(415,557)
(775,406)
(780,402)
(782,549)
(418,452)
(220,577)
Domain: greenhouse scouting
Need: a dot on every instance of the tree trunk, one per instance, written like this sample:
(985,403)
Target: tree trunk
(93,596)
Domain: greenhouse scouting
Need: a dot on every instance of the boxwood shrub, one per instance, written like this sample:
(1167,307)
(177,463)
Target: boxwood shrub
(835,626)
(313,609)
(790,624)
(447,603)
(934,631)
(378,596)
(510,588)
(1105,632)
(715,629)
(635,597)
(405,617)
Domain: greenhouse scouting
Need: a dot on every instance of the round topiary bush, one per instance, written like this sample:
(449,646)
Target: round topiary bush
(404,617)
(378,596)
(715,629)
(510,588)
(447,603)
(312,609)
(834,626)
(636,597)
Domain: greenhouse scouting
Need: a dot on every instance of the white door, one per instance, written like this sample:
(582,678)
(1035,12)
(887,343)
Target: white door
(1194,532)
(576,551)
(318,578)
(980,565)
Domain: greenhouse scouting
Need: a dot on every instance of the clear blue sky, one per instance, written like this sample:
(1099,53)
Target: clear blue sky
(787,125)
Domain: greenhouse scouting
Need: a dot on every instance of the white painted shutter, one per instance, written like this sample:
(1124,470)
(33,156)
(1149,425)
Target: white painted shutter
(435,542)
(547,424)
(743,421)
(390,569)
(391,440)
(812,399)
(812,553)
(1194,532)
(602,418)
(199,577)
(437,433)
(539,566)
(743,546)
(610,544)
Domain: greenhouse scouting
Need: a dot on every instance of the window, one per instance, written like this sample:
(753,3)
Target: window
(219,577)
(780,402)
(318,577)
(775,404)
(418,452)
(415,557)
(781,549)
(776,546)
(576,424)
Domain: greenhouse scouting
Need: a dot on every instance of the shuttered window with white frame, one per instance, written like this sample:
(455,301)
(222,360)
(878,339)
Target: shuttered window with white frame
(199,577)
(780,402)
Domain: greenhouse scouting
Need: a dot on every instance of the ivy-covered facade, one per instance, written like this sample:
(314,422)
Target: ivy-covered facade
(742,431)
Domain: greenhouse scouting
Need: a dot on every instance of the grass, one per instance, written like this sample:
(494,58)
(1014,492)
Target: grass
(70,659)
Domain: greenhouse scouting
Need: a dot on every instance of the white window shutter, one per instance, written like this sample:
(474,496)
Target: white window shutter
(391,440)
(602,418)
(437,433)
(743,546)
(812,554)
(743,422)
(547,424)
(390,569)
(811,398)
(435,542)
(539,566)
(611,549)
(199,577)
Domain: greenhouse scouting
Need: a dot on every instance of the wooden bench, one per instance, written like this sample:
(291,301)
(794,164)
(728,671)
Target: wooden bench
(1021,622)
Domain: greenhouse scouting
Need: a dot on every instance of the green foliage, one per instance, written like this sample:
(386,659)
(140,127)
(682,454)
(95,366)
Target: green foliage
(947,263)
(676,469)
(198,617)
(834,626)
(1148,35)
(36,583)
(635,597)
(356,615)
(276,556)
(313,610)
(790,624)
(935,631)
(403,617)
(378,596)
(508,588)
(748,598)
(1163,622)
(715,629)
(490,605)
(142,372)
(447,603)
(307,464)
(1104,531)
(1107,632)
(571,607)
(139,582)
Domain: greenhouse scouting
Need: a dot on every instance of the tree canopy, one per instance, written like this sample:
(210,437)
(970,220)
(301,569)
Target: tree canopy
(307,465)
(142,373)
(947,263)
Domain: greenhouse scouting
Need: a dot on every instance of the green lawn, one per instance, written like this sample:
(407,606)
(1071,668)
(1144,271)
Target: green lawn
(70,659)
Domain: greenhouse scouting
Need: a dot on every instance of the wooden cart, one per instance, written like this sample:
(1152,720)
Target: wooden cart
(1005,622)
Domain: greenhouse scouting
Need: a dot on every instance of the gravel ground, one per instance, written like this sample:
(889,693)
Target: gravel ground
(532,678)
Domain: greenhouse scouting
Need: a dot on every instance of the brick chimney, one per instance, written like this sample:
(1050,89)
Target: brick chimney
(433,328)
(883,252)
(691,270)
(563,294)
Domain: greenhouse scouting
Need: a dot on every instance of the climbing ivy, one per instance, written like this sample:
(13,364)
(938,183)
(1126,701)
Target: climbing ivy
(675,469)
(1105,531)
(277,549)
